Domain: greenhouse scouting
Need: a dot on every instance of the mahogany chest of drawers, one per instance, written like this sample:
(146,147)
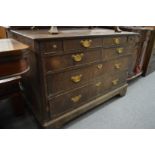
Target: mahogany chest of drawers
(75,70)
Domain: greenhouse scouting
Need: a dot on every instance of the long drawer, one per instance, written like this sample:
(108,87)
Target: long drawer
(59,82)
(61,62)
(72,99)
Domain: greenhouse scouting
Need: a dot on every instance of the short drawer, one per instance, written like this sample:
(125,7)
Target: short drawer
(59,62)
(114,41)
(118,65)
(73,99)
(59,82)
(112,53)
(53,46)
(83,43)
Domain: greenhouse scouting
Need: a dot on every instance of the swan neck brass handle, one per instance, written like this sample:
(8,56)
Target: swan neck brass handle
(117,41)
(77,57)
(98,84)
(119,50)
(76,99)
(117,66)
(76,78)
(115,82)
(86,43)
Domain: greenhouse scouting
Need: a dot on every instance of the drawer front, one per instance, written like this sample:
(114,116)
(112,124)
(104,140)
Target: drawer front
(55,63)
(114,41)
(75,98)
(60,82)
(83,43)
(51,46)
(113,53)
(118,65)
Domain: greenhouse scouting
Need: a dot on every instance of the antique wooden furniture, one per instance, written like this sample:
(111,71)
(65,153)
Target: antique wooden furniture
(144,61)
(75,70)
(149,60)
(2,32)
(13,64)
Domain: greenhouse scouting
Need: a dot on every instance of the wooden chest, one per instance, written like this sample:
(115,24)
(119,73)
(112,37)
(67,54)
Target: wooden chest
(144,60)
(75,70)
(149,62)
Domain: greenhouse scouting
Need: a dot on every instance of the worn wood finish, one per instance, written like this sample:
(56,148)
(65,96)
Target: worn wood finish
(149,61)
(13,58)
(72,99)
(13,64)
(2,33)
(75,70)
(59,121)
(144,51)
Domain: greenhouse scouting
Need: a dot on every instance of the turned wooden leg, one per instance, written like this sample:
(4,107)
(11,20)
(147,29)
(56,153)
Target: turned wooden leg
(17,102)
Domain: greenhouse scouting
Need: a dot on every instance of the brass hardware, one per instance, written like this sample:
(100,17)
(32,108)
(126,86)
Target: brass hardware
(117,41)
(54,46)
(75,99)
(77,57)
(100,66)
(115,82)
(117,66)
(98,84)
(76,78)
(119,50)
(86,43)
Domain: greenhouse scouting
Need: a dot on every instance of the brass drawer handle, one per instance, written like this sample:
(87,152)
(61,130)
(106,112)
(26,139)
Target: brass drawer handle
(115,82)
(117,41)
(98,84)
(99,66)
(120,50)
(76,78)
(77,57)
(75,99)
(86,43)
(55,46)
(117,66)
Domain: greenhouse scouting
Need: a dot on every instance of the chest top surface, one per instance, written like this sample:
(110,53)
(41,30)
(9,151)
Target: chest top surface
(44,34)
(11,46)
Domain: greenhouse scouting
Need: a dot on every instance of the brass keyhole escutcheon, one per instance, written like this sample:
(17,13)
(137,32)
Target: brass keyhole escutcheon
(54,46)
(99,66)
(119,50)
(76,78)
(76,99)
(117,66)
(115,82)
(98,84)
(117,41)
